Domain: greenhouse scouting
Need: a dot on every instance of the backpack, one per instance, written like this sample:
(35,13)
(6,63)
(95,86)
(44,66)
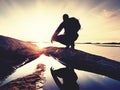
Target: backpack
(75,24)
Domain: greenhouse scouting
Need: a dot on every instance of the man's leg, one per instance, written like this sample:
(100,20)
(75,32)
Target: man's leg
(73,45)
(67,46)
(66,40)
(63,40)
(73,39)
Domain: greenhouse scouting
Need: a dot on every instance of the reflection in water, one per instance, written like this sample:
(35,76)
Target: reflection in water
(68,76)
(86,80)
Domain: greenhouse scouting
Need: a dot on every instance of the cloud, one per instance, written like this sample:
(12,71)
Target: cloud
(6,5)
(111,17)
(20,2)
(108,14)
(9,3)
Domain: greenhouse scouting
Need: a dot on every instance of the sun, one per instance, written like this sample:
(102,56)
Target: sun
(30,25)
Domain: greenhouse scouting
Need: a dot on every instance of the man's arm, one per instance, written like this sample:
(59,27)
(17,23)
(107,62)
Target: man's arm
(57,32)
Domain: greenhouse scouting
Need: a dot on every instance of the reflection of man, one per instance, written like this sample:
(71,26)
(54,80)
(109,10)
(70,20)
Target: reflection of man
(69,78)
(71,27)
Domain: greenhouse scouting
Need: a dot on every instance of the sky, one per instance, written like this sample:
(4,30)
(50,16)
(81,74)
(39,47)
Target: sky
(36,20)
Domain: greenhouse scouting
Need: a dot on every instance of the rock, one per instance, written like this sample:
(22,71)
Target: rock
(85,61)
(15,53)
(33,81)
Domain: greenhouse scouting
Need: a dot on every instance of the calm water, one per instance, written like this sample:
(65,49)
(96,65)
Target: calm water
(90,81)
(86,80)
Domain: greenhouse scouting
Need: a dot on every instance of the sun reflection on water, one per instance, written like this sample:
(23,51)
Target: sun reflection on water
(84,78)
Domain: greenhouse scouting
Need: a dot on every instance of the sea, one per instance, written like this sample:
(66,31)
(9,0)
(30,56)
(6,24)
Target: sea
(86,80)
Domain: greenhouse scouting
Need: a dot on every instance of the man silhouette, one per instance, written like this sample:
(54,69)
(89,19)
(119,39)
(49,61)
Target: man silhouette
(69,78)
(71,27)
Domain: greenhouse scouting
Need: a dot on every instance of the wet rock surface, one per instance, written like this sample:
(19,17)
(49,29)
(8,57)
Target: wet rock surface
(34,81)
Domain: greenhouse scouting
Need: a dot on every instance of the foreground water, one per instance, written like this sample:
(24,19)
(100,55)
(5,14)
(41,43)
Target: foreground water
(86,80)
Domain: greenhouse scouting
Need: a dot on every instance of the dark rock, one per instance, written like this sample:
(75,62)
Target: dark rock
(29,82)
(15,53)
(85,61)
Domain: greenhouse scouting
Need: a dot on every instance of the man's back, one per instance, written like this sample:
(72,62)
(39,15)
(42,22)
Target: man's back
(71,26)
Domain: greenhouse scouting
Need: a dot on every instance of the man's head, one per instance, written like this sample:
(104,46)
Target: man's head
(65,17)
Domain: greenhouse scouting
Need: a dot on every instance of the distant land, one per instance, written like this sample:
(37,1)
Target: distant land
(86,42)
(99,43)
